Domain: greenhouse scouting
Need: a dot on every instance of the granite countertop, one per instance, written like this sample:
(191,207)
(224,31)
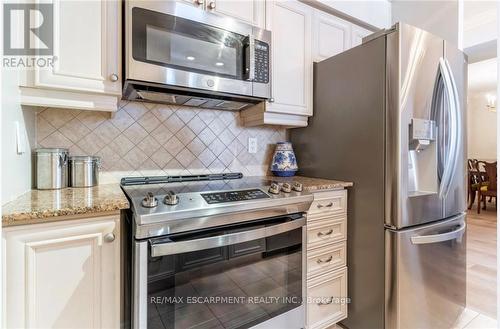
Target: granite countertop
(313,184)
(39,206)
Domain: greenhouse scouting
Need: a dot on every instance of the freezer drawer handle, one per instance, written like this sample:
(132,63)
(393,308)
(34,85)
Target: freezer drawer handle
(323,233)
(328,260)
(328,205)
(435,238)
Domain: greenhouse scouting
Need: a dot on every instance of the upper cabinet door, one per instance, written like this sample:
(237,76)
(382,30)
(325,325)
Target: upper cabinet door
(87,44)
(195,3)
(290,23)
(331,36)
(252,12)
(357,35)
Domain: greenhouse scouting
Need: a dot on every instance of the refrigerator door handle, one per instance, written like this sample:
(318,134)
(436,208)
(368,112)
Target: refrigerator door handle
(454,127)
(436,238)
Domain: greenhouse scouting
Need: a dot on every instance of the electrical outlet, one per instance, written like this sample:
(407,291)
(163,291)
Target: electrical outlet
(252,145)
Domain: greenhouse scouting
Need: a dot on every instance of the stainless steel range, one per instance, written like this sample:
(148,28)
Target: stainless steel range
(214,251)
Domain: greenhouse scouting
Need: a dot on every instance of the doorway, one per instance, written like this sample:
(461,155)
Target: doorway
(482,177)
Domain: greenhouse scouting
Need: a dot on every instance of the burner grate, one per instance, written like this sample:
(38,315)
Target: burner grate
(129,181)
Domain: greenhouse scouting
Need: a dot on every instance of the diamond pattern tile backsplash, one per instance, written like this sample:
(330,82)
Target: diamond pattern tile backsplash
(157,139)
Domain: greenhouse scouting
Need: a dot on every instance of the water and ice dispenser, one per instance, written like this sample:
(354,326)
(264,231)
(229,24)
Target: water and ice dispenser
(422,157)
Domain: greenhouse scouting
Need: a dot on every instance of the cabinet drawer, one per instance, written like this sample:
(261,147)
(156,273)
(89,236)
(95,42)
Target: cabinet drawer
(326,259)
(327,299)
(326,231)
(333,202)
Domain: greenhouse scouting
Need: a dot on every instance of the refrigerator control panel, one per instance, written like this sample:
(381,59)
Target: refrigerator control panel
(422,129)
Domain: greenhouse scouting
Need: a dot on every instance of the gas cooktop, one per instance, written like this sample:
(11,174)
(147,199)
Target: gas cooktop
(180,203)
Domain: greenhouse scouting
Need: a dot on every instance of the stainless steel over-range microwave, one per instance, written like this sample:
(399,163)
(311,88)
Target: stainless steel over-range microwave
(177,53)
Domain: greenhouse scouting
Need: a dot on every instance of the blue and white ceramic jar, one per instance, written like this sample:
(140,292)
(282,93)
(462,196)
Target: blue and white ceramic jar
(284,163)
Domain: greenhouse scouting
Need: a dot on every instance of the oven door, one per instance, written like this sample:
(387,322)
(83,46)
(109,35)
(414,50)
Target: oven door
(176,44)
(234,276)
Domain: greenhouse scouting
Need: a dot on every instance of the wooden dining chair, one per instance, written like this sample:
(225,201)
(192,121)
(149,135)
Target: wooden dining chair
(488,186)
(473,181)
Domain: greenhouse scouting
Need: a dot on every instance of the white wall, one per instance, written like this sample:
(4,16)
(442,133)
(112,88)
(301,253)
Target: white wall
(482,128)
(16,171)
(374,12)
(438,17)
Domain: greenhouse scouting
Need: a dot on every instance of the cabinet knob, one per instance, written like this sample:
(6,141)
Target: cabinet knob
(211,5)
(271,100)
(198,2)
(113,77)
(110,237)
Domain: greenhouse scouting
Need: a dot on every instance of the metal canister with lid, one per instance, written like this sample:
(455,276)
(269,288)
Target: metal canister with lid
(84,170)
(51,168)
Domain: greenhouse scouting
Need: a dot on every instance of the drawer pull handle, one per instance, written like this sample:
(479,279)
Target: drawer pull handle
(329,205)
(328,260)
(328,302)
(327,233)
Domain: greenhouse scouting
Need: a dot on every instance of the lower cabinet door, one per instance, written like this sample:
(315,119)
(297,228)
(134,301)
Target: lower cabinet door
(327,299)
(62,275)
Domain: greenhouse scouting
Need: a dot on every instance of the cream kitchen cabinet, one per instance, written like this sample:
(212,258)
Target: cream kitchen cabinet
(301,35)
(62,275)
(291,24)
(195,3)
(87,67)
(357,35)
(331,35)
(252,12)
(326,264)
(291,67)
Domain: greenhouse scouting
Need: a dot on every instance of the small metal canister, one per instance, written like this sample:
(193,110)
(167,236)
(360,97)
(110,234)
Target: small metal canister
(51,168)
(84,170)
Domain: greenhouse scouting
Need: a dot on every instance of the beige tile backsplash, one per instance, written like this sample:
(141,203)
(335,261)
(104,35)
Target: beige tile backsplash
(157,139)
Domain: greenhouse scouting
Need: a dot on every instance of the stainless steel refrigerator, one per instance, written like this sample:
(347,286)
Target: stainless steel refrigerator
(389,115)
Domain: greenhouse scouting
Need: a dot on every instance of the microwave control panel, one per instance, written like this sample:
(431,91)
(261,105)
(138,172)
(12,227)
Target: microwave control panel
(261,62)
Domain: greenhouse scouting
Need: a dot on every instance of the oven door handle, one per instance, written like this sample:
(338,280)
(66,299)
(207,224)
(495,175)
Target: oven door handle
(159,247)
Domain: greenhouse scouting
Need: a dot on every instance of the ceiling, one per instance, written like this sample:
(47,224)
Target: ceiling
(479,22)
(474,8)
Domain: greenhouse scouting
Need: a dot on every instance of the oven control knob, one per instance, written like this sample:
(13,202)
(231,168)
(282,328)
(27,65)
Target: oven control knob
(286,187)
(149,201)
(274,188)
(171,199)
(298,187)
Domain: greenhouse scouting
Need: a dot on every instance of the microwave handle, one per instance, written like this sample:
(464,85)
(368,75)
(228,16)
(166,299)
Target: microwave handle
(250,58)
(168,247)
